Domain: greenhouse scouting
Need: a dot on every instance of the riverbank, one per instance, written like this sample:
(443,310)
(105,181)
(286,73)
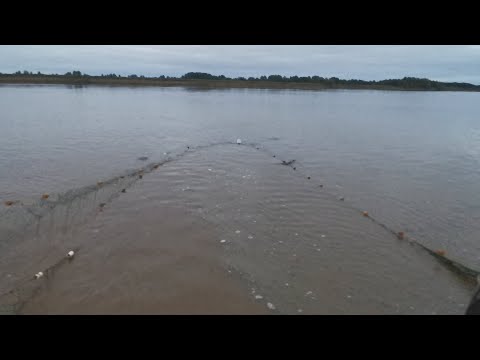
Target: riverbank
(205,84)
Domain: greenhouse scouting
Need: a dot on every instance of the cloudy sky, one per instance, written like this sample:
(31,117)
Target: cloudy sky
(373,62)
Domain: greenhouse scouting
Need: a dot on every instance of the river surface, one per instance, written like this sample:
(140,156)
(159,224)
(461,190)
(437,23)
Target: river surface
(205,225)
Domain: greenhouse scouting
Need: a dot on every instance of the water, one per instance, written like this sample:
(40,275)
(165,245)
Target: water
(408,158)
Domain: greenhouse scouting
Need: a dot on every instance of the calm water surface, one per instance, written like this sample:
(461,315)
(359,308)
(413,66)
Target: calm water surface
(411,159)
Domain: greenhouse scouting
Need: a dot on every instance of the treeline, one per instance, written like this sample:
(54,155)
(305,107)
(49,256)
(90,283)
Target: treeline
(407,83)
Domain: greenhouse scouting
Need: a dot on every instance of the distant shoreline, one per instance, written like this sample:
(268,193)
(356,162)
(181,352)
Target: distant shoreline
(207,84)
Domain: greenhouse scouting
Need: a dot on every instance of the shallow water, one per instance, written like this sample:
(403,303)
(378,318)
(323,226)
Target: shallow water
(409,159)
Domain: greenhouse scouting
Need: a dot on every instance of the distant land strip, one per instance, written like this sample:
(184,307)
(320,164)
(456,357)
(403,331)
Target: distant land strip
(208,81)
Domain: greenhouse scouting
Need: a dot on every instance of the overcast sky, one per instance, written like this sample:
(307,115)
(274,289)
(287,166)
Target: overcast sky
(373,62)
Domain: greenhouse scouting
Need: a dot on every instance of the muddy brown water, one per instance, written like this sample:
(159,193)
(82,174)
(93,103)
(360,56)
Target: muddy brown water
(220,230)
(291,246)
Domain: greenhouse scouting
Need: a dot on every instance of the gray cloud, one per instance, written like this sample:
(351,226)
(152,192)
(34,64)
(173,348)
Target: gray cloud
(368,62)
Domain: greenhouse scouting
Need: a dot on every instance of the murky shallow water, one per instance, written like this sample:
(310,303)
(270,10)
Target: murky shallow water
(157,247)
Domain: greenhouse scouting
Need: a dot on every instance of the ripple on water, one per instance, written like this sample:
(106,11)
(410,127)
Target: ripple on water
(361,267)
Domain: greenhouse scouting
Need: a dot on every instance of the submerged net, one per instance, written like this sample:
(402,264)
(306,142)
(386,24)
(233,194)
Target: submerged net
(22,224)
